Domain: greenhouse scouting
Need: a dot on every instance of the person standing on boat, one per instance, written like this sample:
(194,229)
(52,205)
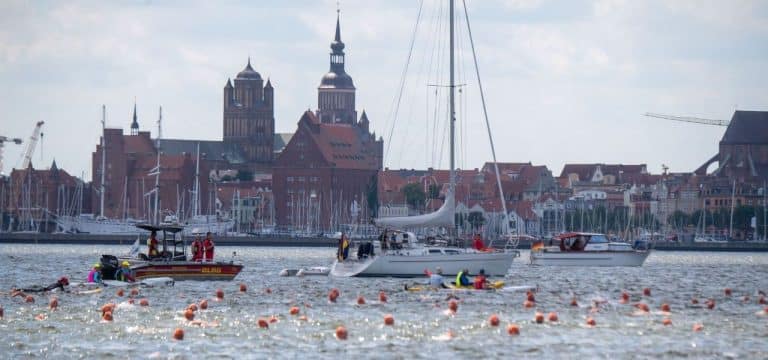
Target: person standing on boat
(477,243)
(343,248)
(197,249)
(152,251)
(208,246)
(481,282)
(125,273)
(94,276)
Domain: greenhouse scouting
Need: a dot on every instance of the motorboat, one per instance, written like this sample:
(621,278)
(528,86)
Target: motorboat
(403,256)
(588,249)
(173,261)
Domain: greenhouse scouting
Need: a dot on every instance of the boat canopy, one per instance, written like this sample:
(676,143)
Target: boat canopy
(444,216)
(162,227)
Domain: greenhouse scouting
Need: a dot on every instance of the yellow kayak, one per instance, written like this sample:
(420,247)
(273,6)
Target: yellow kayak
(491,286)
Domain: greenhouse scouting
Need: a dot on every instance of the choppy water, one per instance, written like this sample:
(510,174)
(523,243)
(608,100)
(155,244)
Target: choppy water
(735,328)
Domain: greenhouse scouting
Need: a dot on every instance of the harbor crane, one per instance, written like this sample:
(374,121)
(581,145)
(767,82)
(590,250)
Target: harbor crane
(3,140)
(30,150)
(689,119)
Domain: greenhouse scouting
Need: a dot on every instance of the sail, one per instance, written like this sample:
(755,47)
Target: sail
(444,216)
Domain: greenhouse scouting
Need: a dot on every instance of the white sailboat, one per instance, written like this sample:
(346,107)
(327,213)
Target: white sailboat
(403,255)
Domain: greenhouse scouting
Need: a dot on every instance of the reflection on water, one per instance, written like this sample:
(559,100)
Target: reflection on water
(734,328)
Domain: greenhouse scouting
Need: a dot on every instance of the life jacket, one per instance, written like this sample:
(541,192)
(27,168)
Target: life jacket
(91,276)
(152,247)
(458,278)
(480,281)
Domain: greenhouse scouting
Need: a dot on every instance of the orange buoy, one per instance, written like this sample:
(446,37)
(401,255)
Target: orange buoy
(144,302)
(263,323)
(54,303)
(530,297)
(513,330)
(360,300)
(389,320)
(539,317)
(642,307)
(294,310)
(192,307)
(382,296)
(695,301)
(341,333)
(219,294)
(762,301)
(243,288)
(591,321)
(333,295)
(203,304)
(189,314)
(268,290)
(552,317)
(493,320)
(646,291)
(528,304)
(120,292)
(667,321)
(624,297)
(134,292)
(107,316)
(698,327)
(178,334)
(728,291)
(573,302)
(665,307)
(303,318)
(453,306)
(29,299)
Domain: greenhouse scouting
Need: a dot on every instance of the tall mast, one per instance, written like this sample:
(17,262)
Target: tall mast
(452,110)
(103,158)
(196,192)
(157,169)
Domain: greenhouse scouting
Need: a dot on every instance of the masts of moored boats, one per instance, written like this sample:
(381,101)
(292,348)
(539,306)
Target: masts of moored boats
(103,158)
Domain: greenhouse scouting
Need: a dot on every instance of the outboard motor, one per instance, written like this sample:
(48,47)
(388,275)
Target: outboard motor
(109,266)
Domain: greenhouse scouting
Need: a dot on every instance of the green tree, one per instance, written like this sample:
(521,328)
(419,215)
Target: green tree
(414,195)
(476,219)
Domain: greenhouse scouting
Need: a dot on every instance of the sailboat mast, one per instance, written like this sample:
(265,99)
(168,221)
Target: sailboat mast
(452,111)
(157,173)
(103,159)
(196,192)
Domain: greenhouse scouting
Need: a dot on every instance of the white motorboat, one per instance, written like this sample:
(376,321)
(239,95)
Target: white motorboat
(587,249)
(408,258)
(314,271)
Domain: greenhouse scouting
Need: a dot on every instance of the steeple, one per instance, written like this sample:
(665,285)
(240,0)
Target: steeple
(135,123)
(337,76)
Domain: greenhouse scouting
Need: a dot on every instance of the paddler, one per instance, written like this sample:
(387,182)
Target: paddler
(125,273)
(197,249)
(481,282)
(462,278)
(208,246)
(94,276)
(152,251)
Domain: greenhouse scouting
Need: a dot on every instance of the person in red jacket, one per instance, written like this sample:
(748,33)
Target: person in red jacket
(481,282)
(197,249)
(477,243)
(208,247)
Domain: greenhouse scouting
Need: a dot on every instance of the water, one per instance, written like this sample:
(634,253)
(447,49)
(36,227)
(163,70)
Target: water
(733,329)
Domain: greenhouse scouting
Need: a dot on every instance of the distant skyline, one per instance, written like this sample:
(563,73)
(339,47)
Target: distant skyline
(566,81)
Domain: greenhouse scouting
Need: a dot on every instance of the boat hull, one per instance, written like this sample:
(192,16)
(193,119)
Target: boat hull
(395,265)
(188,270)
(589,258)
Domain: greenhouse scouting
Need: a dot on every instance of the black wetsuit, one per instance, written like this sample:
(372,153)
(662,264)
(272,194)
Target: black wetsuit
(38,288)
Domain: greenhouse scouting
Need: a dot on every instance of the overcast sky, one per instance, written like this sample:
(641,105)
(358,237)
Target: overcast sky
(566,81)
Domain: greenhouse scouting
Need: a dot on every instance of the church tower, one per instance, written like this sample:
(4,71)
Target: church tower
(135,123)
(336,93)
(249,116)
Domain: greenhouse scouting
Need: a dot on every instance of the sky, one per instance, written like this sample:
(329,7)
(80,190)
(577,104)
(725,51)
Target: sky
(564,81)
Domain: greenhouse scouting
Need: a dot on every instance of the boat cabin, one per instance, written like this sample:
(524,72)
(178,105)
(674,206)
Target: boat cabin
(582,241)
(170,241)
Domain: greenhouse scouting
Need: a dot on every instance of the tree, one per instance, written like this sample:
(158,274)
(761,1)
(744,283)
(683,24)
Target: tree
(476,219)
(414,195)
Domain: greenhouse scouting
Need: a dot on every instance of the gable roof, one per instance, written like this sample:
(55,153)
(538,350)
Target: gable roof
(344,146)
(747,127)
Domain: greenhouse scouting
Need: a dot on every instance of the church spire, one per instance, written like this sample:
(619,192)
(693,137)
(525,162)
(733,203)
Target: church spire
(338,26)
(135,123)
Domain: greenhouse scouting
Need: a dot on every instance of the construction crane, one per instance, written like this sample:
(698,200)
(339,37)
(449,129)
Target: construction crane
(690,119)
(3,140)
(30,150)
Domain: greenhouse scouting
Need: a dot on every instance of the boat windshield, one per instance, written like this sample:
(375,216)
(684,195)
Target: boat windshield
(598,239)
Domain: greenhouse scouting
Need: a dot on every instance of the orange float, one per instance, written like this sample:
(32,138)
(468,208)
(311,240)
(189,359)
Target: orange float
(134,292)
(539,317)
(29,299)
(667,321)
(53,304)
(552,317)
(528,304)
(389,320)
(591,321)
(120,292)
(665,307)
(189,315)
(574,302)
(178,334)
(382,296)
(493,320)
(107,316)
(453,306)
(263,323)
(513,330)
(698,327)
(203,304)
(219,294)
(294,310)
(341,333)
(728,291)
(647,291)
(360,300)
(144,302)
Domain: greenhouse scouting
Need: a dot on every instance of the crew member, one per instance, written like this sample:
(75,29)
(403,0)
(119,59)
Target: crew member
(481,282)
(152,251)
(196,249)
(208,246)
(94,276)
(462,278)
(343,247)
(60,284)
(125,273)
(436,279)
(477,243)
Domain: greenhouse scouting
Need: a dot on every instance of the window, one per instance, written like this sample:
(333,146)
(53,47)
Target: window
(290,179)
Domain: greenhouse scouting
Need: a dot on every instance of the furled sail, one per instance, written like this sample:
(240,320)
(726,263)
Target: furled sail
(444,216)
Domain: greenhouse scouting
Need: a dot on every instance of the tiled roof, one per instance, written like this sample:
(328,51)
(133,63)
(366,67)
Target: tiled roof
(344,145)
(747,127)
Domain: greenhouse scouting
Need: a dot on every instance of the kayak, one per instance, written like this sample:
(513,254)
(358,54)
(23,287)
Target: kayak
(496,285)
